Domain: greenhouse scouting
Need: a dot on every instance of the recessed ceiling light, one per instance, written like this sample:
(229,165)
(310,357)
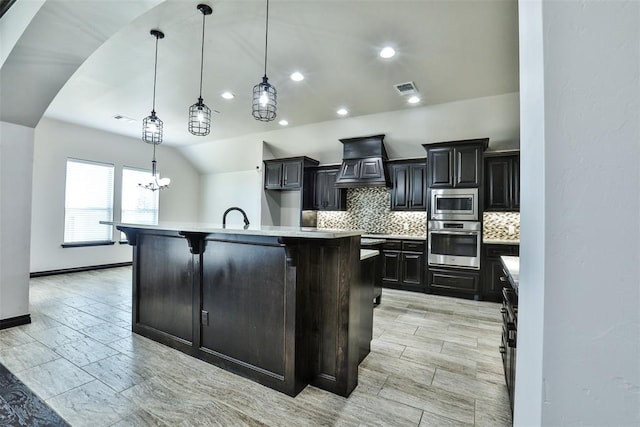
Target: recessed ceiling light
(283,123)
(413,99)
(342,112)
(297,76)
(227,95)
(387,52)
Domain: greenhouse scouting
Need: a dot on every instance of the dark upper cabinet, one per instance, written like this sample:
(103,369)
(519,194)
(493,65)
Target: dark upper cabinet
(502,178)
(287,174)
(408,186)
(455,164)
(325,194)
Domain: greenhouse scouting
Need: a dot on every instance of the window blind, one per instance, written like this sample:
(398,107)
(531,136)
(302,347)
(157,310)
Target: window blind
(88,200)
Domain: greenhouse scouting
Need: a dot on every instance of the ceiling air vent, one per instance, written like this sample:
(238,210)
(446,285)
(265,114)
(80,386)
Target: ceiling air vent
(408,88)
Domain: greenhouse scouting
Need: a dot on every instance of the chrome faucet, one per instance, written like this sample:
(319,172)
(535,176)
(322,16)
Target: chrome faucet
(233,208)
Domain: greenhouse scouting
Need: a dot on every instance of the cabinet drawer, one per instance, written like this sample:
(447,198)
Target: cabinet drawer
(413,246)
(393,245)
(453,281)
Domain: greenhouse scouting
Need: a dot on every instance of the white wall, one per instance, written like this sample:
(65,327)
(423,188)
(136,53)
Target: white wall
(580,226)
(16,156)
(55,141)
(224,190)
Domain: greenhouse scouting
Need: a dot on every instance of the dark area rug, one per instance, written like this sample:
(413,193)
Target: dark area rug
(19,406)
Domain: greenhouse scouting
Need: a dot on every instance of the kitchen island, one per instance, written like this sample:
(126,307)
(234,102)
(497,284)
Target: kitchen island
(282,306)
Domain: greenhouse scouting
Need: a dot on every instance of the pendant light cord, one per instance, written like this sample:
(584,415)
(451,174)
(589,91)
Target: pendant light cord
(266,36)
(155,73)
(202,54)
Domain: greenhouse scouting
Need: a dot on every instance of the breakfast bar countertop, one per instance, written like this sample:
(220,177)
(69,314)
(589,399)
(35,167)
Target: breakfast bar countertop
(255,230)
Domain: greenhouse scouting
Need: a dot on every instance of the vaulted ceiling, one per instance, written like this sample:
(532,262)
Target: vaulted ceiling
(451,50)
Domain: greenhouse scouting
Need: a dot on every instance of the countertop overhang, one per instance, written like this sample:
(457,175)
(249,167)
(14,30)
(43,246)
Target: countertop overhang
(255,230)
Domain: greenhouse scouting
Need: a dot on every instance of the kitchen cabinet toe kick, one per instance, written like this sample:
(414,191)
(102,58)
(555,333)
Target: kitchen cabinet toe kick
(282,311)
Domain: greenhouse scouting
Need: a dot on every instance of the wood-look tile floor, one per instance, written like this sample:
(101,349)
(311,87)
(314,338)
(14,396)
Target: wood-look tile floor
(434,362)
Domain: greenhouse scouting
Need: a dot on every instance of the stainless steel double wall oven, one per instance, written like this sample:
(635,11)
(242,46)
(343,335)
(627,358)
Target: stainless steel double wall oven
(454,231)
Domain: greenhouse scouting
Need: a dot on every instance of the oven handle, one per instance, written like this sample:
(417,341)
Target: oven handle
(466,233)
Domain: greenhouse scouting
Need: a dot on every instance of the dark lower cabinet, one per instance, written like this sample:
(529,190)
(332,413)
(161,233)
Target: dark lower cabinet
(508,346)
(403,265)
(493,279)
(454,282)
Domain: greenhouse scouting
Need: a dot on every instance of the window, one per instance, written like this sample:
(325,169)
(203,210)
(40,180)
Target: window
(88,200)
(139,205)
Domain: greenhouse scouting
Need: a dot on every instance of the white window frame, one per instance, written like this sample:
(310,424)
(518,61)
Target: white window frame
(68,234)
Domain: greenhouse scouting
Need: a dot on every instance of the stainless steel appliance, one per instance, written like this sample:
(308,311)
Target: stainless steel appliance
(454,204)
(455,244)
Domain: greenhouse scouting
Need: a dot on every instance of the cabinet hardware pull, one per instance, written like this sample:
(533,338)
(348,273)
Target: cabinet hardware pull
(503,350)
(503,279)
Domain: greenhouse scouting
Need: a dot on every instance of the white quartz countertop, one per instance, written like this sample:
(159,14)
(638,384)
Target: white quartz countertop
(368,253)
(512,265)
(255,230)
(500,242)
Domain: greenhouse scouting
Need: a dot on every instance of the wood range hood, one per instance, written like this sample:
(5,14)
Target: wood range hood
(363,163)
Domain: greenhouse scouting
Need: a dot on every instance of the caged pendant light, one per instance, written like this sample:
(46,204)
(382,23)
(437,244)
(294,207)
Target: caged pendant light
(152,125)
(264,94)
(199,113)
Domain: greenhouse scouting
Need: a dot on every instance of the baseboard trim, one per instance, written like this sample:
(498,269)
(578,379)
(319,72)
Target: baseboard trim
(15,321)
(78,269)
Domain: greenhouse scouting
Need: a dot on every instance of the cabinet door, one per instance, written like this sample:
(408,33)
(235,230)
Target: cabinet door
(273,175)
(336,197)
(498,187)
(412,268)
(418,187)
(467,166)
(391,267)
(318,189)
(515,183)
(440,164)
(400,189)
(292,174)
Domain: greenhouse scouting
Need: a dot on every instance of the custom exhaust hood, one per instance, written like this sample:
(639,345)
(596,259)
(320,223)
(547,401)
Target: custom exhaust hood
(363,163)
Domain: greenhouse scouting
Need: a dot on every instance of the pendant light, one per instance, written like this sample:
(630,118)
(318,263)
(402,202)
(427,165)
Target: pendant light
(264,94)
(152,125)
(155,183)
(199,113)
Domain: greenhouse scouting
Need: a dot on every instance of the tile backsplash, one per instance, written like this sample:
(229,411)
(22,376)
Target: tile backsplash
(369,209)
(501,226)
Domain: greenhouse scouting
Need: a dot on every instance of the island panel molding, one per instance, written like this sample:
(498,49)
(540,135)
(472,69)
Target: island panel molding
(284,309)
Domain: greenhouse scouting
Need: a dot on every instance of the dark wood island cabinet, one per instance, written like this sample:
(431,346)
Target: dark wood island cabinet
(282,306)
